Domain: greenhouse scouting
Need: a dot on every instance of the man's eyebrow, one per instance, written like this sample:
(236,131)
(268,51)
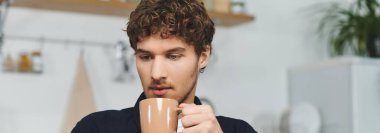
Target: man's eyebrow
(174,50)
(141,51)
(179,49)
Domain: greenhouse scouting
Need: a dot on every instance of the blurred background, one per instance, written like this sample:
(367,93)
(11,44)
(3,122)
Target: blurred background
(284,66)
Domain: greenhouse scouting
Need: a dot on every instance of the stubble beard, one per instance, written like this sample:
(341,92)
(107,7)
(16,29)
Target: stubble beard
(191,91)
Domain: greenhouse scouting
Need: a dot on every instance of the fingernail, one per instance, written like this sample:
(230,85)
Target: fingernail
(179,110)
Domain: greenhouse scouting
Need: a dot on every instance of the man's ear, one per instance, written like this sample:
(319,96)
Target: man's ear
(204,57)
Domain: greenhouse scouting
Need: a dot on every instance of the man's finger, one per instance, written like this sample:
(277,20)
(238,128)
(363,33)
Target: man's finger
(195,119)
(205,127)
(199,109)
(182,105)
(194,129)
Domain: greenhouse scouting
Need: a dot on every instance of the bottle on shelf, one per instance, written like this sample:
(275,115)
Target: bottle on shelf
(8,64)
(37,66)
(24,64)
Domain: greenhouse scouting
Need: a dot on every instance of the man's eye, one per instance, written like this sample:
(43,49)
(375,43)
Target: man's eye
(145,57)
(174,57)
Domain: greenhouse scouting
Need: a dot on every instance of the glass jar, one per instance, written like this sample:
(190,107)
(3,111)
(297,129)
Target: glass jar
(24,64)
(37,61)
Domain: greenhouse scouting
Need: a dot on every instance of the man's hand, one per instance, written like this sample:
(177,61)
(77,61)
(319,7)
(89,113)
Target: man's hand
(199,119)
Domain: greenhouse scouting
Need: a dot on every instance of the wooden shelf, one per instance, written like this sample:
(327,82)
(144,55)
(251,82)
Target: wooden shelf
(116,8)
(111,7)
(229,19)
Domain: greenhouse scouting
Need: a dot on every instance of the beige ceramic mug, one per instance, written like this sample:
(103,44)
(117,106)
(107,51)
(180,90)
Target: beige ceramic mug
(158,115)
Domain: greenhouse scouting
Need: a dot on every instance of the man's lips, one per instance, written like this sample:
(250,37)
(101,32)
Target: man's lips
(160,90)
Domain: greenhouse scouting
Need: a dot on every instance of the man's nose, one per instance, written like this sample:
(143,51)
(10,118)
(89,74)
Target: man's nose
(158,71)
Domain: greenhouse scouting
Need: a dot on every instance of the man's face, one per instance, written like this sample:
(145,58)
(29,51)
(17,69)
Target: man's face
(169,68)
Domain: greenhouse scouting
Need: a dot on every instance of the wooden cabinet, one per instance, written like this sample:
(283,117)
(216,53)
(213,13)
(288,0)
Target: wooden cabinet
(116,8)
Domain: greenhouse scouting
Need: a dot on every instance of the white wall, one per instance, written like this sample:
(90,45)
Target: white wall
(247,81)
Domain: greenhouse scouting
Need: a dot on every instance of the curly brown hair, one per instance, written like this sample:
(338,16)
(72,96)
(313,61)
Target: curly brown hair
(185,19)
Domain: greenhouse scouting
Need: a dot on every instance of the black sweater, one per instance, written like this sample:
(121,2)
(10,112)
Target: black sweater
(128,121)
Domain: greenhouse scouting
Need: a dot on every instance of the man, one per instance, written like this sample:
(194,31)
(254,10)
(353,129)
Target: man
(172,43)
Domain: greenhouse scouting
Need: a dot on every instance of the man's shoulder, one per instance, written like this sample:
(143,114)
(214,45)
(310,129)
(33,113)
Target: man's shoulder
(107,115)
(111,113)
(232,125)
(105,121)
